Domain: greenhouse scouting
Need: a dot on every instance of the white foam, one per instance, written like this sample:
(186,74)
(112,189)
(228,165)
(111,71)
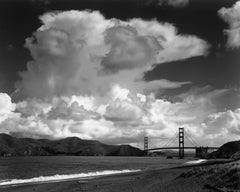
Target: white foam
(56,178)
(196,161)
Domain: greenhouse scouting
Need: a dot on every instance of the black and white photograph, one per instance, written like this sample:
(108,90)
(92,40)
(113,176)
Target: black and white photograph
(119,95)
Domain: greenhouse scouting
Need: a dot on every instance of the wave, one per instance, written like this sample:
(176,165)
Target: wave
(56,178)
(196,161)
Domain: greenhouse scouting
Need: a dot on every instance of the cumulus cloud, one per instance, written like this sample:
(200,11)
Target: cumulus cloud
(122,116)
(128,49)
(30,126)
(83,53)
(227,121)
(73,111)
(232,17)
(175,46)
(32,107)
(221,126)
(6,106)
(86,79)
(174,3)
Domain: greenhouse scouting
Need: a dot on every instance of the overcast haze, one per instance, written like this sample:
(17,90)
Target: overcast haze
(117,71)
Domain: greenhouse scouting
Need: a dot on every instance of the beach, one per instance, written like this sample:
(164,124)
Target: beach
(172,175)
(150,181)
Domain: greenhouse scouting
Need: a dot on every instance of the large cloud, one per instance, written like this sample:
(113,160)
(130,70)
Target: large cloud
(86,79)
(232,17)
(81,52)
(122,116)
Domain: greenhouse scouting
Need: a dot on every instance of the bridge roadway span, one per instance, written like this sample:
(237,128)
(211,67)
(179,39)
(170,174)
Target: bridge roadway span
(163,148)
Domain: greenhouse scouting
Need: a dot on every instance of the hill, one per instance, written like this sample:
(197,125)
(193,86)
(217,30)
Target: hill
(228,150)
(11,146)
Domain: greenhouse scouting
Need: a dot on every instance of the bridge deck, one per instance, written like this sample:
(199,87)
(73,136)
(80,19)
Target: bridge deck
(163,148)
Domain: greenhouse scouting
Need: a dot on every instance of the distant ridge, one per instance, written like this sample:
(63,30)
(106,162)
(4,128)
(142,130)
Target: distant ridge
(12,146)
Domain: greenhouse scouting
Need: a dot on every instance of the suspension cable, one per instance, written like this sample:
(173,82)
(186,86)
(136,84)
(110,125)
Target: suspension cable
(191,139)
(175,139)
(171,141)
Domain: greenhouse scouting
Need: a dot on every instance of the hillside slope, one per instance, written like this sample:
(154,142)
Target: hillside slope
(228,150)
(11,146)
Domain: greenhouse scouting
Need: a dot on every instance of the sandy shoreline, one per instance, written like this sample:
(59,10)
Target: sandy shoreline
(148,180)
(189,178)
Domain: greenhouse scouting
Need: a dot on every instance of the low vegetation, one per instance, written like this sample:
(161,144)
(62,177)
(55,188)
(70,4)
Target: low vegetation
(222,177)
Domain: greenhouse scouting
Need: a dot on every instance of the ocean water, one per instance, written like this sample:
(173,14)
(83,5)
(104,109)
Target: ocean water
(18,170)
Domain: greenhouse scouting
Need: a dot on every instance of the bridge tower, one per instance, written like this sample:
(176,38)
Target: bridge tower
(145,143)
(145,147)
(181,142)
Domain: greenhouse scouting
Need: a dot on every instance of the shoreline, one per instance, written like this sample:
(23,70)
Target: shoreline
(33,182)
(117,182)
(150,180)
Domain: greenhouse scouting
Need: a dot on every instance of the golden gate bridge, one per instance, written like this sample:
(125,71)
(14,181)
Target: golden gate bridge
(181,136)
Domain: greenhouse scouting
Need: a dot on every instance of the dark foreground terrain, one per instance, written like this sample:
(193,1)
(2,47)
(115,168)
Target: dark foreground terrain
(204,178)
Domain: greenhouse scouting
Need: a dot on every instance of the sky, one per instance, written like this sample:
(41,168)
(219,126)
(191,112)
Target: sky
(119,70)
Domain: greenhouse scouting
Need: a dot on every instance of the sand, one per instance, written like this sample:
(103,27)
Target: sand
(189,178)
(151,180)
